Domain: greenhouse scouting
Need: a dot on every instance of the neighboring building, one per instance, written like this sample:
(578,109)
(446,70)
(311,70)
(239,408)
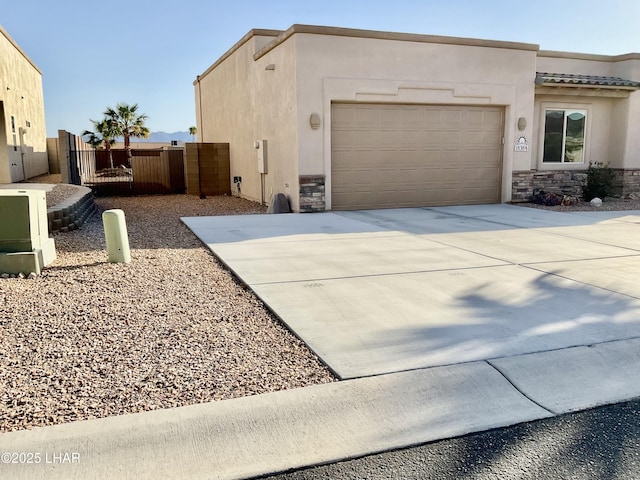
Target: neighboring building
(364,119)
(153,145)
(23,145)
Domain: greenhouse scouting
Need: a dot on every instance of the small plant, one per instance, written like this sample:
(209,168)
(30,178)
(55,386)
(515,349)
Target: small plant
(552,199)
(599,181)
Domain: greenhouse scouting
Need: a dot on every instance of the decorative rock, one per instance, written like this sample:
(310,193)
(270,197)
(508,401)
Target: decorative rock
(5,275)
(32,275)
(596,202)
(21,275)
(144,342)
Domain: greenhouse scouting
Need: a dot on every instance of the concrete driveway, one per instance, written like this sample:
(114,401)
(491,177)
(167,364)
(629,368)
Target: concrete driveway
(442,321)
(383,291)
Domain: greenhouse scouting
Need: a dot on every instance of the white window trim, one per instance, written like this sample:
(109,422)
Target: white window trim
(581,107)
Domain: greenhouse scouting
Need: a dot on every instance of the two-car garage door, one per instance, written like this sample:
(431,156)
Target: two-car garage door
(386,156)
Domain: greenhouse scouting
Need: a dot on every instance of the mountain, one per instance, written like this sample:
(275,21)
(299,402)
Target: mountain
(163,137)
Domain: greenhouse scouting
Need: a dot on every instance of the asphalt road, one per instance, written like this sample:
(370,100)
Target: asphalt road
(602,443)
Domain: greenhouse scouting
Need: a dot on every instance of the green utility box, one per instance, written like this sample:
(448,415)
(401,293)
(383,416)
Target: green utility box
(25,245)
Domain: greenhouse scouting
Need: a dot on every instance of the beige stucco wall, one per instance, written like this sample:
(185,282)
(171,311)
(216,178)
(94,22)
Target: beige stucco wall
(565,63)
(613,114)
(356,69)
(239,102)
(53,154)
(276,121)
(598,142)
(269,83)
(626,66)
(21,97)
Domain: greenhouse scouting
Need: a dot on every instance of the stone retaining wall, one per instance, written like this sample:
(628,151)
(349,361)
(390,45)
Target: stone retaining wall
(72,212)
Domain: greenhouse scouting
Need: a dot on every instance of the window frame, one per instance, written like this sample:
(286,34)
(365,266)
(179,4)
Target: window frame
(567,108)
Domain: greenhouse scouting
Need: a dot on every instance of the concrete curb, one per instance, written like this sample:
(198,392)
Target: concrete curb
(275,432)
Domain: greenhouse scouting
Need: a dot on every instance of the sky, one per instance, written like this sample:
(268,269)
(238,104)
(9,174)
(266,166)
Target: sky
(96,54)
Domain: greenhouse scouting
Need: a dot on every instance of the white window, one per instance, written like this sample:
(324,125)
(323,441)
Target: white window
(564,136)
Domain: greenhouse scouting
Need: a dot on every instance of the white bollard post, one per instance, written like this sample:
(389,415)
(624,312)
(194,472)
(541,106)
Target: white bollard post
(115,232)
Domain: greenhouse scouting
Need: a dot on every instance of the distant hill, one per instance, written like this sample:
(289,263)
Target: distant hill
(162,137)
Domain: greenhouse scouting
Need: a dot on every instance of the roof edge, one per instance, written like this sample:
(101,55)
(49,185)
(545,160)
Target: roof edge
(589,56)
(260,32)
(564,80)
(17,47)
(380,35)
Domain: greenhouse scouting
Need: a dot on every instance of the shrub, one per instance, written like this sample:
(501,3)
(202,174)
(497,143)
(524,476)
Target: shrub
(599,181)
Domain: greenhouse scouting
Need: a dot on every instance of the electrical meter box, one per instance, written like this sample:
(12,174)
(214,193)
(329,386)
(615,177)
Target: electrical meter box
(25,245)
(261,146)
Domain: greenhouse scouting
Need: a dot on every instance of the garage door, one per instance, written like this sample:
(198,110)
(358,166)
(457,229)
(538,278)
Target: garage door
(387,156)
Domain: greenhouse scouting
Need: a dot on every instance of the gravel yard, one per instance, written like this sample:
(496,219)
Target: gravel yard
(60,193)
(609,204)
(90,339)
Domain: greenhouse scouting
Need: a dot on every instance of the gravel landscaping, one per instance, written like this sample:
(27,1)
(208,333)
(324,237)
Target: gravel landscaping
(60,193)
(89,339)
(609,204)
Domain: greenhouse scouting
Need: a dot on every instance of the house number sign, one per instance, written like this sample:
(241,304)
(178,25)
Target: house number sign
(521,144)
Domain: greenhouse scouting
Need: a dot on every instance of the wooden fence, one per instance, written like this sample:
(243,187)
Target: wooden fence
(196,169)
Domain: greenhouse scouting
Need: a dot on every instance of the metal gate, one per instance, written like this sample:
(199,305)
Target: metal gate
(146,172)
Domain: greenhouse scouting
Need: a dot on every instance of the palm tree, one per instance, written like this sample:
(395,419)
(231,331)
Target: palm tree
(193,131)
(103,134)
(128,123)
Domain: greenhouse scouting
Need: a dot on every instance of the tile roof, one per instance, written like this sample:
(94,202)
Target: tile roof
(560,79)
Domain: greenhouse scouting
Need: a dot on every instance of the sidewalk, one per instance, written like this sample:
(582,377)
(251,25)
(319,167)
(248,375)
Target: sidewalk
(275,432)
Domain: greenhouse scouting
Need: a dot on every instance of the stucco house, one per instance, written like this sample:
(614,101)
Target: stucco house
(340,118)
(23,143)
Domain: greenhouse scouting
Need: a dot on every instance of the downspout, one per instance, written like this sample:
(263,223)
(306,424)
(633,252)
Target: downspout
(200,129)
(21,133)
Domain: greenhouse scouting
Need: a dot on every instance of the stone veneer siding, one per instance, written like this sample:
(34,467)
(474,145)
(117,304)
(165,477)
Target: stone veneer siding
(626,182)
(568,182)
(565,182)
(312,193)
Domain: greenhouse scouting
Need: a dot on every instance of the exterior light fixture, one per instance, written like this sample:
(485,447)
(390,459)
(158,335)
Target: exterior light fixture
(522,123)
(314,121)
